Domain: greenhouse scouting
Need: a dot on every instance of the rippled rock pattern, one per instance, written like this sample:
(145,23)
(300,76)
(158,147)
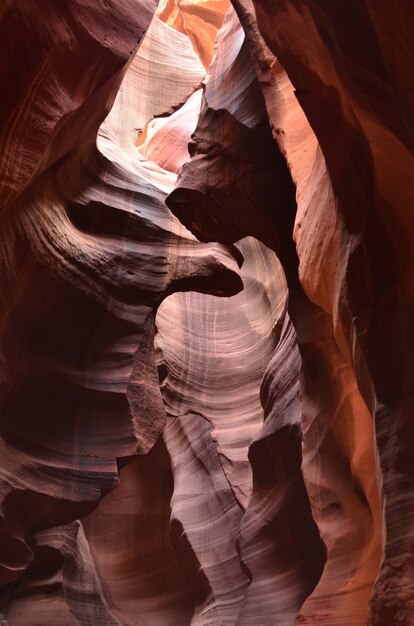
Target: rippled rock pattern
(206,338)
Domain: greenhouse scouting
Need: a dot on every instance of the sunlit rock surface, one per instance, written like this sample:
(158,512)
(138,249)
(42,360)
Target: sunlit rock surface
(206,345)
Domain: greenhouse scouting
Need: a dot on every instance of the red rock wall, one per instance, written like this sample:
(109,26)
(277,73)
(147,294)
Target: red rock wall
(351,77)
(201,433)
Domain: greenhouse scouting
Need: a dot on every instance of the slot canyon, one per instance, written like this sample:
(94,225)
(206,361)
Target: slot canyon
(207,313)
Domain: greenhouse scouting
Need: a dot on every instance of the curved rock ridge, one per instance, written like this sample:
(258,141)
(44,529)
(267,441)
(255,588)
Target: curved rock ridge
(213,353)
(130,259)
(343,495)
(89,252)
(358,519)
(231,140)
(356,251)
(225,362)
(278,540)
(204,513)
(208,448)
(63,64)
(217,204)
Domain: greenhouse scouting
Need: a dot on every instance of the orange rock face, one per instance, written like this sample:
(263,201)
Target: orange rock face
(206,340)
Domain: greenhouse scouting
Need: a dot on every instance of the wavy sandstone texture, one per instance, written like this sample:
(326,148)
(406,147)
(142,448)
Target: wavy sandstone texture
(206,296)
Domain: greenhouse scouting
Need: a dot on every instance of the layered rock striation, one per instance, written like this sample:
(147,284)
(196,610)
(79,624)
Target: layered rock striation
(206,290)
